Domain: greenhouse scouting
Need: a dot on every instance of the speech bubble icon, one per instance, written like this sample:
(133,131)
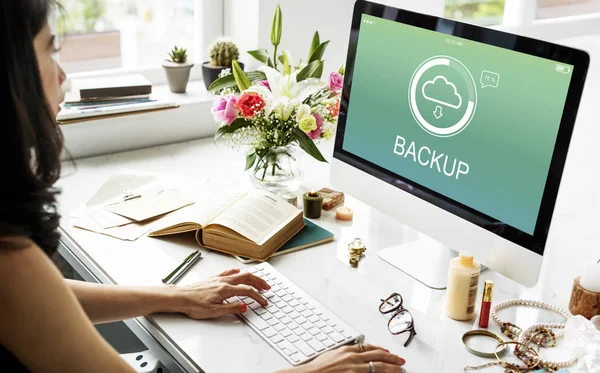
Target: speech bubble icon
(489,79)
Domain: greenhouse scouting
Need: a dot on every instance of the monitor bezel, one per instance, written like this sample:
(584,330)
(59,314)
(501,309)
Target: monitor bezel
(562,54)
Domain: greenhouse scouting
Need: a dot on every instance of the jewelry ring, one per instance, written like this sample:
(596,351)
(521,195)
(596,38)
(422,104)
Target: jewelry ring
(361,347)
(371,367)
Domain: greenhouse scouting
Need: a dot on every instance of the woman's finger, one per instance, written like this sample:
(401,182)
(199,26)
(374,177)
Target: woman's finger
(248,279)
(380,368)
(383,356)
(229,272)
(356,349)
(230,309)
(246,291)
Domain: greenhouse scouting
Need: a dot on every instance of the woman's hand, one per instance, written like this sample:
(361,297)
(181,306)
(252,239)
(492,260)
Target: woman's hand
(349,359)
(204,300)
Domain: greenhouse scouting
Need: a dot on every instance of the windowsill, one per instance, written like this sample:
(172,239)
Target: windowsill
(191,120)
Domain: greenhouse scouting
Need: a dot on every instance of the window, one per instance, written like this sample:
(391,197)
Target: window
(482,12)
(562,8)
(108,34)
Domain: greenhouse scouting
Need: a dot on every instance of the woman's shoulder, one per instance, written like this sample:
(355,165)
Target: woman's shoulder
(15,242)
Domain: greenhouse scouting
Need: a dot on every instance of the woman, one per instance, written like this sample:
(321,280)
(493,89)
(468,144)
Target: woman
(46,321)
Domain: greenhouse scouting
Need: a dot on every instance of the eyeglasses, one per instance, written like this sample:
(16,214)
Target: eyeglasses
(402,321)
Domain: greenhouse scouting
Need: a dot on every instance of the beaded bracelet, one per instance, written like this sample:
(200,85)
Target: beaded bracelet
(513,331)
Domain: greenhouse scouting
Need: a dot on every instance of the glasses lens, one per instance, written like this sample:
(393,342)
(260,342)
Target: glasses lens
(401,322)
(391,303)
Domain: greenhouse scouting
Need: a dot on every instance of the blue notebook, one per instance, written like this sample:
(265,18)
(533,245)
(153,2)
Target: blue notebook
(310,235)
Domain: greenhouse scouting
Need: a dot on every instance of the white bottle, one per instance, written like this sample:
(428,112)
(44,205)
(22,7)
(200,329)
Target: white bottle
(463,280)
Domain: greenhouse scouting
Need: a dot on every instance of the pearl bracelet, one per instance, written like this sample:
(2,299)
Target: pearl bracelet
(525,337)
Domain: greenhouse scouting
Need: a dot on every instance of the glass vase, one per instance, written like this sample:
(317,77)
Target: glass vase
(280,169)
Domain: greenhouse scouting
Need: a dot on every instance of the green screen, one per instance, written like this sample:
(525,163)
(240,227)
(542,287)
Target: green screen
(473,122)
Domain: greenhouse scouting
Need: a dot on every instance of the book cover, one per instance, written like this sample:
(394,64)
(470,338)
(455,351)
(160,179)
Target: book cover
(310,235)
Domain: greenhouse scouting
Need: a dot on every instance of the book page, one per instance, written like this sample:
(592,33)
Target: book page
(257,216)
(202,212)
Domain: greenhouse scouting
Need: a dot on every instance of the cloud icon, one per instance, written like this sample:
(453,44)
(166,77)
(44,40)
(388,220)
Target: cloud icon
(441,91)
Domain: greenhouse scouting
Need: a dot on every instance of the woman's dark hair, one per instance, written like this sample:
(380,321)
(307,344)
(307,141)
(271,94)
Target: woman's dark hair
(30,140)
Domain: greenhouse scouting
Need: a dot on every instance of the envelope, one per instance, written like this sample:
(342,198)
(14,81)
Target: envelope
(150,205)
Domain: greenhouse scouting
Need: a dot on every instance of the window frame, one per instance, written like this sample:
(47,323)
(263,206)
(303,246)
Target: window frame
(207,28)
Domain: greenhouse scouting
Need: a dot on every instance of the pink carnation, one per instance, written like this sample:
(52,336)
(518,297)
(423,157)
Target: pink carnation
(316,133)
(225,110)
(336,81)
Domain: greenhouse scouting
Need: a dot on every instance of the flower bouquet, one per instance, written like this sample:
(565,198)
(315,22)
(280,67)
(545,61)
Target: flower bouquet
(279,111)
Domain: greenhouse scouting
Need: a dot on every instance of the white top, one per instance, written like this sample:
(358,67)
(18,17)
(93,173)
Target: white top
(228,345)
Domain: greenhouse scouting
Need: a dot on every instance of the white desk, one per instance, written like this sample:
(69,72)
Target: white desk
(228,345)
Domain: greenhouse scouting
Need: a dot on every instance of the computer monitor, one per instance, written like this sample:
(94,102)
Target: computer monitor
(460,132)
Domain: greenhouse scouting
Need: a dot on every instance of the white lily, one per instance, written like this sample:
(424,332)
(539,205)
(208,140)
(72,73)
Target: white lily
(286,94)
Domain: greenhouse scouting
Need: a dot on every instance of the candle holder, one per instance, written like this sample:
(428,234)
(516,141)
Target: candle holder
(584,302)
(312,203)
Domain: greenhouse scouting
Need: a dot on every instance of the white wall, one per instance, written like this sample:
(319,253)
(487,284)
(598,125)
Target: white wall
(332,18)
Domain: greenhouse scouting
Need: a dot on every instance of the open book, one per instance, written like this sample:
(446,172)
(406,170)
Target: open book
(253,224)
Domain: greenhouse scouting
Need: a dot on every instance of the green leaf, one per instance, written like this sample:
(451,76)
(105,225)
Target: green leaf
(319,51)
(250,159)
(229,80)
(315,43)
(260,54)
(310,71)
(276,27)
(308,145)
(287,69)
(241,79)
(236,125)
(280,58)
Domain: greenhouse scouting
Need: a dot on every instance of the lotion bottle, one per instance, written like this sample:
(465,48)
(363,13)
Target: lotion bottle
(463,280)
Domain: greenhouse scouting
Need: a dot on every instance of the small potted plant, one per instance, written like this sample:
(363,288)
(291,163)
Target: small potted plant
(177,69)
(222,53)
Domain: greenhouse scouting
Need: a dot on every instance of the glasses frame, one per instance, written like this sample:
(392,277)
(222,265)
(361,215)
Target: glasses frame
(398,309)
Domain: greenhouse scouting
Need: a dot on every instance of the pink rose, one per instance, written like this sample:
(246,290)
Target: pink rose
(316,133)
(336,81)
(264,83)
(225,110)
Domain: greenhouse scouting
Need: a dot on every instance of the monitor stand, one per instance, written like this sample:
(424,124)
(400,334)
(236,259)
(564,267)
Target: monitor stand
(425,260)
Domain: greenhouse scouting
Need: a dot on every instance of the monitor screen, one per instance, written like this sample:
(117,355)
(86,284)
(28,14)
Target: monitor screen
(471,123)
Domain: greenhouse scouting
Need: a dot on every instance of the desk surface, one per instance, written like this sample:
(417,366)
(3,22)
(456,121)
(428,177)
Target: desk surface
(228,345)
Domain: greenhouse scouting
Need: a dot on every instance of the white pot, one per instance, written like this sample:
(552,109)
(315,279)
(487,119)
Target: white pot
(178,75)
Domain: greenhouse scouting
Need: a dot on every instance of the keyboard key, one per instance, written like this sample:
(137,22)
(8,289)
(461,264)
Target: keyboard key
(286,320)
(318,312)
(275,288)
(273,321)
(287,298)
(306,313)
(293,303)
(331,322)
(287,347)
(321,337)
(276,338)
(276,300)
(346,334)
(256,320)
(304,348)
(252,270)
(300,308)
(313,318)
(303,301)
(293,325)
(307,326)
(320,324)
(339,328)
(301,320)
(278,281)
(260,311)
(337,337)
(269,332)
(299,331)
(280,292)
(266,316)
(287,287)
(314,331)
(325,317)
(279,327)
(286,332)
(296,357)
(306,337)
(328,342)
(294,315)
(268,294)
(270,305)
(310,307)
(327,330)
(318,346)
(249,301)
(293,338)
(279,315)
(286,309)
(254,306)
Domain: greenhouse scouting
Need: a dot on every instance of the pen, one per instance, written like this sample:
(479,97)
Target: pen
(182,268)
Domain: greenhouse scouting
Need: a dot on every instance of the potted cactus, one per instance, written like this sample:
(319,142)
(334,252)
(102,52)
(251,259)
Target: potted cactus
(222,53)
(178,69)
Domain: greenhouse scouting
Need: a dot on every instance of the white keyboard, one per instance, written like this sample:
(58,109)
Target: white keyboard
(294,323)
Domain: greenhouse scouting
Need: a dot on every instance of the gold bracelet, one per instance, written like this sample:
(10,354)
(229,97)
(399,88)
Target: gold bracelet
(484,333)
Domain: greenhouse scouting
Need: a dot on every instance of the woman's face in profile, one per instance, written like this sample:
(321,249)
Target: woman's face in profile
(51,74)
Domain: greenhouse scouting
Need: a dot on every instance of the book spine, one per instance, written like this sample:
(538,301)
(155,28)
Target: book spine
(96,93)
